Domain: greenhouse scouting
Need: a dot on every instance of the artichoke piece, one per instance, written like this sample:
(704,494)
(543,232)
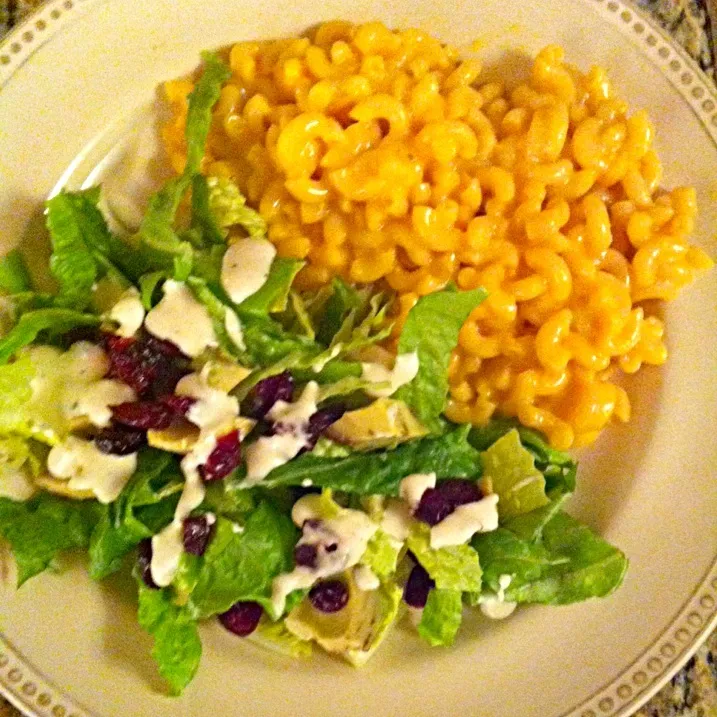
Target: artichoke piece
(382,424)
(182,435)
(354,632)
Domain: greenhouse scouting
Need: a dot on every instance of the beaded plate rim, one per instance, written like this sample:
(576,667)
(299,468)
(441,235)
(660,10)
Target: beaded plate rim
(36,696)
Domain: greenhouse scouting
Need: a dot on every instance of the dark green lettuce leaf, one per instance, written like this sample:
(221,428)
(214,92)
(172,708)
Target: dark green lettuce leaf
(14,276)
(44,526)
(177,647)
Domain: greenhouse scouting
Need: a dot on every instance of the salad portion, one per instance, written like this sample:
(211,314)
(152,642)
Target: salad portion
(258,454)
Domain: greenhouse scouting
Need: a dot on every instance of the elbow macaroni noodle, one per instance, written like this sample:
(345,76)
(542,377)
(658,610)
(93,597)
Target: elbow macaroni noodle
(381,156)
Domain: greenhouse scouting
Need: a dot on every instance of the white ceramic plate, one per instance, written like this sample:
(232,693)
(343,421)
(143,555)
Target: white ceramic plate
(78,85)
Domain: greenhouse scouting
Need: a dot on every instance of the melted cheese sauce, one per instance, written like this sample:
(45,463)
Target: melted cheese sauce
(87,468)
(245,267)
(181,319)
(404,371)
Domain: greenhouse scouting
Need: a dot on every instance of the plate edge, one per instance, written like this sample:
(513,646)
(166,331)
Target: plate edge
(698,90)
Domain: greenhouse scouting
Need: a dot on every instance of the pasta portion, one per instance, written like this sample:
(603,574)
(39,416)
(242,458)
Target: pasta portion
(381,156)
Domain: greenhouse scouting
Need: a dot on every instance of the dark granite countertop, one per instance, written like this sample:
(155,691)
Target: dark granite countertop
(692,692)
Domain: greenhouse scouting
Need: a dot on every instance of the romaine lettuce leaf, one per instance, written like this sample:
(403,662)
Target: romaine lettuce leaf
(514,477)
(44,526)
(143,508)
(177,647)
(272,296)
(456,567)
(242,565)
(274,636)
(228,207)
(14,276)
(33,323)
(344,299)
(380,473)
(565,563)
(205,222)
(381,555)
(432,329)
(441,617)
(558,467)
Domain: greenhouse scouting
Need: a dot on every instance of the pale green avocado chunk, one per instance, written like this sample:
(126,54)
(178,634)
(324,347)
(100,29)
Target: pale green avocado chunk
(382,424)
(356,631)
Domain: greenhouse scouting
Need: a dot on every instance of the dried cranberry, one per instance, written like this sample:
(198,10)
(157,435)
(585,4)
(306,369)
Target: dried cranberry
(418,585)
(145,363)
(143,415)
(119,441)
(329,596)
(305,555)
(197,534)
(223,459)
(321,420)
(439,502)
(179,404)
(267,392)
(242,618)
(144,560)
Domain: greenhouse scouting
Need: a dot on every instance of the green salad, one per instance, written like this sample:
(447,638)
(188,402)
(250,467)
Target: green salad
(254,453)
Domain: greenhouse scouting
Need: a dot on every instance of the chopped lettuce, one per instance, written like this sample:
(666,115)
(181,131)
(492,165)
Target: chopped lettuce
(344,299)
(514,477)
(558,467)
(556,562)
(14,276)
(273,295)
(456,567)
(381,555)
(33,323)
(205,223)
(381,472)
(431,330)
(144,507)
(242,565)
(441,617)
(228,206)
(177,647)
(44,526)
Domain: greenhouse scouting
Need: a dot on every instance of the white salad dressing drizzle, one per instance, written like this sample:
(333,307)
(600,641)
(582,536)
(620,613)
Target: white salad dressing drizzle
(269,452)
(397,519)
(95,401)
(365,578)
(85,467)
(412,487)
(181,319)
(497,607)
(14,481)
(481,516)
(214,413)
(349,532)
(245,267)
(234,329)
(128,312)
(404,371)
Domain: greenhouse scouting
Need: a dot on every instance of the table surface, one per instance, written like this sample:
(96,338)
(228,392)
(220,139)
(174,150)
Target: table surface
(692,692)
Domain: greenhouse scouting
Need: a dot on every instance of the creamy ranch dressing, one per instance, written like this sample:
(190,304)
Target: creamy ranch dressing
(269,452)
(497,607)
(95,401)
(214,413)
(412,487)
(181,319)
(85,467)
(245,267)
(397,519)
(459,527)
(404,371)
(234,329)
(365,578)
(128,312)
(349,531)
